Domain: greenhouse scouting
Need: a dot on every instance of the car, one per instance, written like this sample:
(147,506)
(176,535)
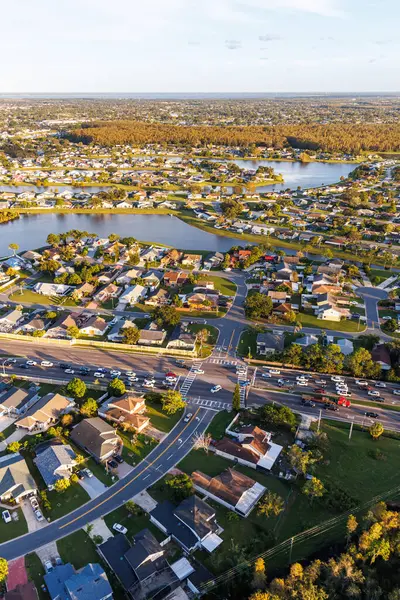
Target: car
(245,383)
(114,321)
(23,366)
(374,393)
(180,362)
(115,373)
(148,384)
(275,371)
(84,371)
(380,384)
(31,363)
(266,375)
(345,393)
(65,366)
(101,370)
(171,379)
(379,399)
(48,566)
(81,475)
(88,472)
(361,382)
(150,379)
(302,383)
(34,502)
(6,516)
(38,514)
(133,379)
(309,403)
(112,464)
(171,375)
(11,361)
(302,377)
(337,378)
(215,389)
(321,382)
(371,415)
(329,406)
(319,390)
(396,392)
(120,528)
(46,363)
(284,381)
(188,417)
(341,388)
(58,561)
(69,371)
(118,458)
(130,374)
(99,375)
(198,371)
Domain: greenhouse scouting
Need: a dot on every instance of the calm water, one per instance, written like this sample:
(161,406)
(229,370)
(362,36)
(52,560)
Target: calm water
(30,231)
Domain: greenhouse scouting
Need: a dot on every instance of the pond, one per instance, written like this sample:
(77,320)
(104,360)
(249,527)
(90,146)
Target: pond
(30,231)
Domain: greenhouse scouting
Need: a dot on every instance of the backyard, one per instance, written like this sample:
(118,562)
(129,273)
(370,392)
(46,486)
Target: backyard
(136,447)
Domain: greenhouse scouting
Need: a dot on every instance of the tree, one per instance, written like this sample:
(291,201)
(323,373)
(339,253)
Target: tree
(53,239)
(133,508)
(3,570)
(67,420)
(76,388)
(293,355)
(202,441)
(351,527)
(270,504)
(130,335)
(236,398)
(167,316)
(98,539)
(13,447)
(73,331)
(258,306)
(61,485)
(313,488)
(376,430)
(116,387)
(181,486)
(259,575)
(202,337)
(13,247)
(89,528)
(360,364)
(172,401)
(279,415)
(89,408)
(51,314)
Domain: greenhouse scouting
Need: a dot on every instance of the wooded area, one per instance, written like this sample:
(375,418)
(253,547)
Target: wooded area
(333,137)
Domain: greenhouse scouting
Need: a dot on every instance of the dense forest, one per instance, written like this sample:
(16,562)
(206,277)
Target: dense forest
(335,137)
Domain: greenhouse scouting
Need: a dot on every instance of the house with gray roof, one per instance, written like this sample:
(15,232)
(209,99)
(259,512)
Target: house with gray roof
(268,343)
(89,583)
(16,401)
(55,461)
(97,438)
(16,482)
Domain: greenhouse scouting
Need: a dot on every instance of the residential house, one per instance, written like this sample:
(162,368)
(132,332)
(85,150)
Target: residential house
(380,354)
(192,260)
(126,278)
(133,294)
(175,278)
(331,312)
(16,482)
(230,488)
(16,401)
(84,290)
(269,343)
(36,323)
(346,346)
(153,279)
(60,328)
(10,320)
(116,334)
(192,524)
(277,297)
(54,462)
(182,339)
(126,410)
(197,301)
(45,412)
(306,340)
(90,582)
(22,591)
(52,289)
(152,335)
(106,293)
(94,326)
(253,448)
(160,298)
(97,438)
(141,568)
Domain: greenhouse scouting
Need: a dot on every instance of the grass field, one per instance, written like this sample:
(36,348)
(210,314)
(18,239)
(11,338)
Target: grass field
(133,523)
(346,325)
(8,531)
(65,502)
(78,549)
(33,298)
(213,332)
(159,419)
(219,424)
(133,453)
(247,343)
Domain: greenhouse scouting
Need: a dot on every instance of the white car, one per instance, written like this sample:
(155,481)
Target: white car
(148,384)
(46,363)
(266,375)
(69,371)
(373,393)
(120,528)
(88,472)
(34,502)
(302,383)
(6,516)
(337,379)
(98,375)
(198,371)
(320,382)
(188,417)
(31,363)
(380,384)
(130,374)
(344,393)
(133,379)
(215,389)
(396,392)
(115,373)
(38,514)
(361,382)
(275,371)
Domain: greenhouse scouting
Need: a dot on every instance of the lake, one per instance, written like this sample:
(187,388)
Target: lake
(30,231)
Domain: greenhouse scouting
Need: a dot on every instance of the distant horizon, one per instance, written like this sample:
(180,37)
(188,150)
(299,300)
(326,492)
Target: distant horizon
(195,95)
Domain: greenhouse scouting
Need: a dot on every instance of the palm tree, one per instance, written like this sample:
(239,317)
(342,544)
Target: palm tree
(13,247)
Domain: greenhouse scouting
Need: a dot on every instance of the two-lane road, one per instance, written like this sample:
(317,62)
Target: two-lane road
(168,453)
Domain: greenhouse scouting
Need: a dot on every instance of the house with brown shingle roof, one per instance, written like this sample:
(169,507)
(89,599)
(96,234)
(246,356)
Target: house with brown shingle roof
(97,438)
(252,447)
(45,412)
(231,489)
(127,410)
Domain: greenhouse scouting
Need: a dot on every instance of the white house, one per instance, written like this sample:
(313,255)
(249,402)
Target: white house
(133,294)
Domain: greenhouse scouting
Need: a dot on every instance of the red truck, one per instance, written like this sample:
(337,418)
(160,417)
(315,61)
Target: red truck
(328,403)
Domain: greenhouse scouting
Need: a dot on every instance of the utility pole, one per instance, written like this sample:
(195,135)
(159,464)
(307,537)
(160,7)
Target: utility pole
(290,551)
(351,428)
(319,420)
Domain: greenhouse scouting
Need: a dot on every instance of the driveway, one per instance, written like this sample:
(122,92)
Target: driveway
(14,437)
(124,469)
(371,298)
(31,520)
(6,422)
(93,486)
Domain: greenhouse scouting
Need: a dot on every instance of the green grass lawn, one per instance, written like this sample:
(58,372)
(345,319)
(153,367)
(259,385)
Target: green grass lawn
(133,453)
(159,419)
(222,284)
(248,341)
(35,571)
(8,531)
(208,347)
(380,274)
(219,424)
(34,298)
(311,321)
(65,502)
(78,549)
(133,523)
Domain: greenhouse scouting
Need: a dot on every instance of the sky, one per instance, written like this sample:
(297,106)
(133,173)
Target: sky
(111,46)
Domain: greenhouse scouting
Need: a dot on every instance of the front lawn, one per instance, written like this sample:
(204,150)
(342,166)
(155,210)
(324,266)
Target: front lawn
(159,419)
(225,286)
(31,297)
(63,503)
(308,320)
(135,451)
(35,570)
(78,549)
(9,531)
(248,344)
(219,423)
(213,333)
(133,523)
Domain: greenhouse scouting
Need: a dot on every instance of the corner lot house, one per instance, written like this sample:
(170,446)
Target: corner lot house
(231,489)
(52,289)
(192,524)
(97,438)
(16,482)
(127,410)
(268,343)
(45,412)
(253,448)
(55,461)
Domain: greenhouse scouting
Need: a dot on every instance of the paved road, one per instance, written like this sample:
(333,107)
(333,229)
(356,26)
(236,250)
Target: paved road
(371,297)
(167,454)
